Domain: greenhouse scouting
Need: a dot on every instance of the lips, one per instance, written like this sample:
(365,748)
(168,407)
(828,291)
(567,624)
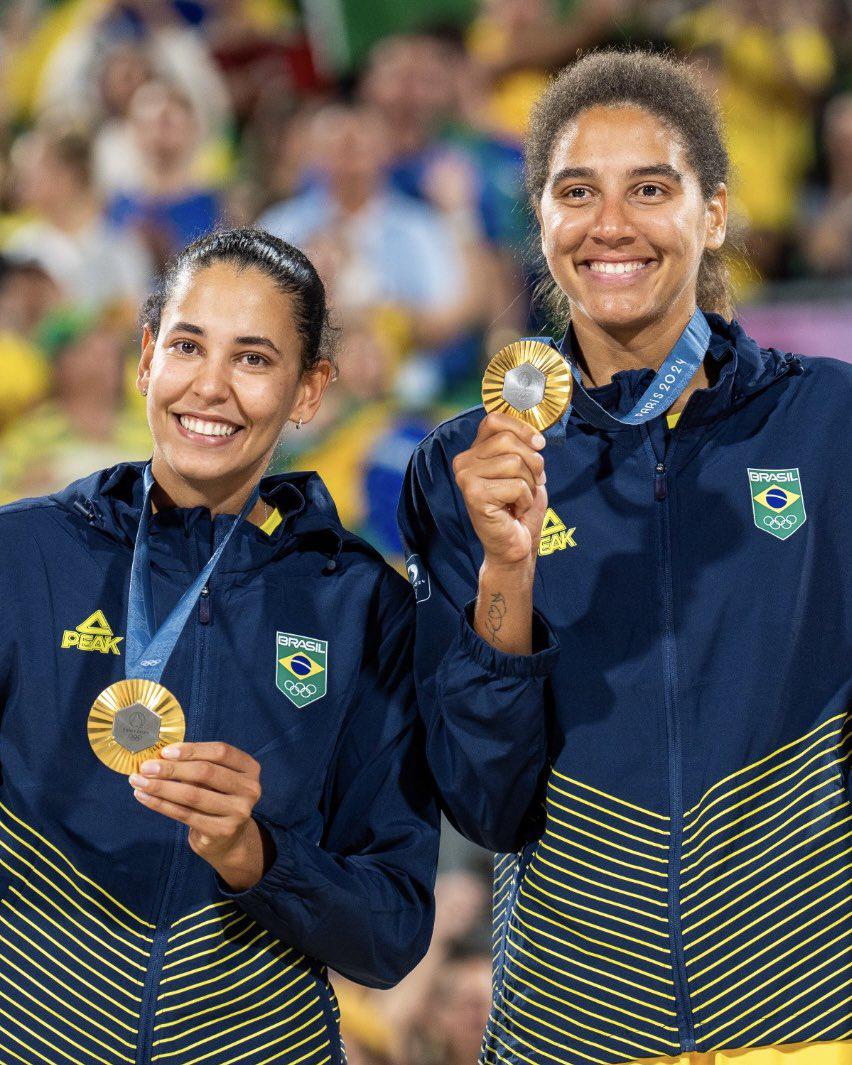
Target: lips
(210,431)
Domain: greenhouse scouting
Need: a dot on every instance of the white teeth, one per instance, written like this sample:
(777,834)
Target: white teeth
(600,267)
(196,425)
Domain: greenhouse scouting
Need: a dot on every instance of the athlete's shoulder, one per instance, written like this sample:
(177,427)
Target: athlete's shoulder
(452,436)
(828,373)
(26,513)
(317,526)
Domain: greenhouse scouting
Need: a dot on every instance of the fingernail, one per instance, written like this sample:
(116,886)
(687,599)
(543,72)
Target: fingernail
(137,781)
(170,752)
(141,796)
(538,441)
(150,769)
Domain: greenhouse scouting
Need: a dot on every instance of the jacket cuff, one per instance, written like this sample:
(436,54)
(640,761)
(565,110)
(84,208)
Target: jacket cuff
(540,663)
(279,874)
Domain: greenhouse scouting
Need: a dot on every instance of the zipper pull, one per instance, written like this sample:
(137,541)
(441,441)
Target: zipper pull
(204,606)
(660,487)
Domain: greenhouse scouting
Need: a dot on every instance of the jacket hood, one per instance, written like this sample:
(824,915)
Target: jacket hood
(110,500)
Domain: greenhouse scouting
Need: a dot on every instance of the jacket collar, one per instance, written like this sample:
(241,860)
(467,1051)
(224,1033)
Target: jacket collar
(742,368)
(111,502)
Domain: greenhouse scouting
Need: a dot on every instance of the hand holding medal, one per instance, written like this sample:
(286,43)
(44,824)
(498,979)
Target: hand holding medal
(134,719)
(527,388)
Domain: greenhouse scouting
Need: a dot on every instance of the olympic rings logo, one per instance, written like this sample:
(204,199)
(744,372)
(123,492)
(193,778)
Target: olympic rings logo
(780,521)
(296,687)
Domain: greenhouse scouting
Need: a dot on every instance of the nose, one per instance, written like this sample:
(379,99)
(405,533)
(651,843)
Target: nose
(212,380)
(612,225)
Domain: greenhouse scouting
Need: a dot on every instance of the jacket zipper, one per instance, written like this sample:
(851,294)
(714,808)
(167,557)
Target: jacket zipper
(176,861)
(685,1021)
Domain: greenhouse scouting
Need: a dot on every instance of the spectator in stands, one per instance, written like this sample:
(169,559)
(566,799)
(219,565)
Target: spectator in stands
(424,86)
(827,236)
(373,245)
(774,60)
(460,999)
(124,68)
(71,83)
(85,422)
(516,43)
(272,159)
(94,269)
(168,210)
(26,295)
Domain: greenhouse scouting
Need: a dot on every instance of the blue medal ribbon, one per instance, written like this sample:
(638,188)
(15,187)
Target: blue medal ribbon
(677,371)
(149,648)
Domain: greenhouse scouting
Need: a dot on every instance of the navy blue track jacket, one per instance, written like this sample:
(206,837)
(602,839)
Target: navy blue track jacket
(117,943)
(667,775)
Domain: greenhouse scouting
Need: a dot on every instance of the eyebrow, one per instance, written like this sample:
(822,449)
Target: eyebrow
(196,330)
(655,170)
(261,342)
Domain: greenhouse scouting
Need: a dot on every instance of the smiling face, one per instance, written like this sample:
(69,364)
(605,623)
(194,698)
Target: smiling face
(624,222)
(223,376)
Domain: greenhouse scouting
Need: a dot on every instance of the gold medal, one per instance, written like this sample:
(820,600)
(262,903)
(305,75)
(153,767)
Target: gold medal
(131,721)
(529,380)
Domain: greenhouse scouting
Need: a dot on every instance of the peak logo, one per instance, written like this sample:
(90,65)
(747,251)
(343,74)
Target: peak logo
(554,535)
(93,634)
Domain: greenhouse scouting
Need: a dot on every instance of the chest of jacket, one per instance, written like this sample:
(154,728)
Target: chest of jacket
(267,663)
(722,579)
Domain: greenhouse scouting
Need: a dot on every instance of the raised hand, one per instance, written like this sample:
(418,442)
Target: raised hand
(501,478)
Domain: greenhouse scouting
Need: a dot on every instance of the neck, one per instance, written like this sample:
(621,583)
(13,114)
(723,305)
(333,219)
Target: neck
(72,216)
(166,176)
(219,497)
(602,353)
(353,198)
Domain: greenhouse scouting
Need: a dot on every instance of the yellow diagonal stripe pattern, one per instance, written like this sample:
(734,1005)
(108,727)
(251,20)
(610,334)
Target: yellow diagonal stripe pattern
(766,897)
(74,961)
(232,992)
(583,969)
(582,961)
(72,957)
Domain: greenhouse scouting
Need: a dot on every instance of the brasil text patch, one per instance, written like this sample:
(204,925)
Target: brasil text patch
(777,501)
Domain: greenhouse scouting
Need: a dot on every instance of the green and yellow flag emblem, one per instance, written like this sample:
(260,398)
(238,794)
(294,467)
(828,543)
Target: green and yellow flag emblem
(301,667)
(777,501)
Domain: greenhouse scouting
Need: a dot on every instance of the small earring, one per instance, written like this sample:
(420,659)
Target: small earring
(299,424)
(144,391)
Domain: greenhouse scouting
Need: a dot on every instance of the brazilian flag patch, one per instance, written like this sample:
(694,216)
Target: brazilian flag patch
(301,668)
(777,501)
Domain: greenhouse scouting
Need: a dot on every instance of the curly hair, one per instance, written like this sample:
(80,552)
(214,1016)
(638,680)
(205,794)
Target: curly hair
(664,86)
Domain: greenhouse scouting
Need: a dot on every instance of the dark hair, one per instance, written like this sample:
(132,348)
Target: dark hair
(666,87)
(72,147)
(290,269)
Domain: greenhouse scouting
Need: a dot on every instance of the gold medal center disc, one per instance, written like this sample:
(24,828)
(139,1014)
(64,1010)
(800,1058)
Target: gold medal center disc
(131,721)
(529,380)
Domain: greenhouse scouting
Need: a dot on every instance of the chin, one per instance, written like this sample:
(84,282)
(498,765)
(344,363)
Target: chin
(614,316)
(201,469)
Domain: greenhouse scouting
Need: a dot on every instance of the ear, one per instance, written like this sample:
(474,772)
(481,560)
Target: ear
(716,219)
(143,373)
(311,389)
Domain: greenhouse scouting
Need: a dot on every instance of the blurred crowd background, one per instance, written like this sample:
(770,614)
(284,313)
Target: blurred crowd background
(384,138)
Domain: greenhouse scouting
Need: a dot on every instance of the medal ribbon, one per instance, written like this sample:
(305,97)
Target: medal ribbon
(678,369)
(149,648)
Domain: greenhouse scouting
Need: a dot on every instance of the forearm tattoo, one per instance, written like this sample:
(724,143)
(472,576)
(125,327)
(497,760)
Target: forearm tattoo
(497,611)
